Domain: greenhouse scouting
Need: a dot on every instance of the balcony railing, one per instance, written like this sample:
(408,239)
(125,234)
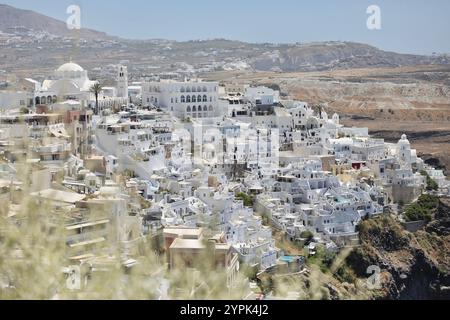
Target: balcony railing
(86,236)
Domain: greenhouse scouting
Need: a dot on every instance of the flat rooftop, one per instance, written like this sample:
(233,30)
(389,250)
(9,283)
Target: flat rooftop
(59,196)
(181,232)
(187,244)
(195,244)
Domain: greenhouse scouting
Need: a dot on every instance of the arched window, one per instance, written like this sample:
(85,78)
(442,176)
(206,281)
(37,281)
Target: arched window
(205,89)
(205,98)
(205,108)
(193,89)
(49,99)
(199,89)
(210,108)
(188,109)
(43,100)
(183,99)
(194,109)
(194,99)
(55,99)
(188,89)
(199,98)
(183,89)
(210,99)
(38,100)
(188,99)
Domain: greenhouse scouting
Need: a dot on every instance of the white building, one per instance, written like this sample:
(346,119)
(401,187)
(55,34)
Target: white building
(188,99)
(15,100)
(438,176)
(262,95)
(250,238)
(69,81)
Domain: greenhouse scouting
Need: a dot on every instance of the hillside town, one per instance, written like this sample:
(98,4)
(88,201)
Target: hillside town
(195,165)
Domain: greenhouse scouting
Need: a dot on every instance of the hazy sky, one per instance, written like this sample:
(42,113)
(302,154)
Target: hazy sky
(408,26)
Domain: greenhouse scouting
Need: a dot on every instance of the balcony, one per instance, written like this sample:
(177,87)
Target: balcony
(86,238)
(58,148)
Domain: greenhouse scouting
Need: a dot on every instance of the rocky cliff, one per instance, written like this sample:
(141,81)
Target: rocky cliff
(414,266)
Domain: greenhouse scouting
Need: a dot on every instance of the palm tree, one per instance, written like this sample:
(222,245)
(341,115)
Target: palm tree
(96,89)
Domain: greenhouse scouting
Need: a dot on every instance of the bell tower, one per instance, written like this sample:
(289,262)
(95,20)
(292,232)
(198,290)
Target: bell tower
(122,81)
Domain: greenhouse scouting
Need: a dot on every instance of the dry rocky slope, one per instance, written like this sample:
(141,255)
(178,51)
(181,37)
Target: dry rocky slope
(414,265)
(11,18)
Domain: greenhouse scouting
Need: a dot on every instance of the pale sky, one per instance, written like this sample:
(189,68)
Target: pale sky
(408,26)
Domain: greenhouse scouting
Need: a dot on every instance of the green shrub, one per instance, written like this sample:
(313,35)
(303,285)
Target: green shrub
(415,212)
(248,200)
(422,209)
(346,274)
(428,201)
(431,184)
(24,110)
(307,235)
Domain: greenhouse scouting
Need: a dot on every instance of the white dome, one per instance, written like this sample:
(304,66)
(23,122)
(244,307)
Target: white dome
(70,67)
(404,139)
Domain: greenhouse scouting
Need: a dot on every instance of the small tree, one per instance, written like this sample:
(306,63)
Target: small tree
(96,89)
(248,200)
(431,184)
(422,209)
(24,110)
(308,235)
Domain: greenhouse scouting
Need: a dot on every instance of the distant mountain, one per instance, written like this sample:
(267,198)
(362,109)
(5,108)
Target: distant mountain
(12,18)
(336,55)
(197,56)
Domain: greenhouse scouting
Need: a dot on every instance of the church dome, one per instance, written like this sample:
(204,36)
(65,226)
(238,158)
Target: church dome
(70,67)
